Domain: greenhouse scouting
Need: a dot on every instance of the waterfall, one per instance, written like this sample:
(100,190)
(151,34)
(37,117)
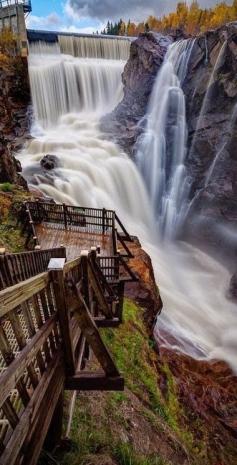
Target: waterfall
(92,171)
(162,148)
(61,84)
(95,47)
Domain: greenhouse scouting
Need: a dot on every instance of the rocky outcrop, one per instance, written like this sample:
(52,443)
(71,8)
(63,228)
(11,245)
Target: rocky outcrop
(211,97)
(14,117)
(146,56)
(210,88)
(50,162)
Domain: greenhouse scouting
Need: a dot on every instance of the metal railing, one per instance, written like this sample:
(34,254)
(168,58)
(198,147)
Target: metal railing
(8,3)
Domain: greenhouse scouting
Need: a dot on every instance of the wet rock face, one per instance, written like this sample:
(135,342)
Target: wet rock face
(146,56)
(210,89)
(14,117)
(211,98)
(232,292)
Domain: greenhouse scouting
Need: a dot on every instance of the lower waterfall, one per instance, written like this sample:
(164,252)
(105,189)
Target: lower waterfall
(92,171)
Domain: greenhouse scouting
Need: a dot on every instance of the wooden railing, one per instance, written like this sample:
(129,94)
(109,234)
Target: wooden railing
(49,327)
(90,220)
(15,268)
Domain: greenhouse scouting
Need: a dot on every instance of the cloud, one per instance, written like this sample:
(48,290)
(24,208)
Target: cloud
(44,22)
(137,10)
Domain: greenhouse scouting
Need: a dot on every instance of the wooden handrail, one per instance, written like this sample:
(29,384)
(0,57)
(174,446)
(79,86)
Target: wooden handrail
(14,296)
(18,267)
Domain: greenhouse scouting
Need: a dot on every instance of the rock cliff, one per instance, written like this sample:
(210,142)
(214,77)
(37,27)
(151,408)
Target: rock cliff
(211,97)
(210,88)
(14,117)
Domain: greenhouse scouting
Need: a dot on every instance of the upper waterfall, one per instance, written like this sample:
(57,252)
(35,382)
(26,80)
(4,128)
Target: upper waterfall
(162,147)
(61,84)
(95,47)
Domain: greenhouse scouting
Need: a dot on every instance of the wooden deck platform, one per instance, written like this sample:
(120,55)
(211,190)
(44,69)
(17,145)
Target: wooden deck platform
(76,239)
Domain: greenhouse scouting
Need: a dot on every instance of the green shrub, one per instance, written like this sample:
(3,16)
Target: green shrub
(6,187)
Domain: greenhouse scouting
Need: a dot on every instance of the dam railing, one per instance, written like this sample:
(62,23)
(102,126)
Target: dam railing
(51,312)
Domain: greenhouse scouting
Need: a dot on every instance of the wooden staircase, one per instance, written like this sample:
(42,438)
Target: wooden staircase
(51,312)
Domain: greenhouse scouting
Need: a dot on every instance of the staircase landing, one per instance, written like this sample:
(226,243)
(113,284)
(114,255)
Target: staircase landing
(75,239)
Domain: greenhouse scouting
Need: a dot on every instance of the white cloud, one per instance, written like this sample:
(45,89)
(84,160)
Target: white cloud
(44,22)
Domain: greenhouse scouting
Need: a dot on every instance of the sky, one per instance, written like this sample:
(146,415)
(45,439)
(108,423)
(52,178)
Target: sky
(91,15)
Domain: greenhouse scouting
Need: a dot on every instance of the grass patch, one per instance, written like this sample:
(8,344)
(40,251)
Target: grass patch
(125,455)
(135,358)
(6,187)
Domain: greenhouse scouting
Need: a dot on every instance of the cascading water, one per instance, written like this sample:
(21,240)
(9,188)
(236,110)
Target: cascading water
(92,171)
(61,84)
(95,47)
(162,148)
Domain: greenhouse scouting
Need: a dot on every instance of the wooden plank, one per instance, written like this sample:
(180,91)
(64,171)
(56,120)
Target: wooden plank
(93,337)
(63,316)
(8,357)
(99,293)
(14,296)
(87,381)
(40,323)
(15,371)
(29,418)
(44,418)
(10,413)
(21,341)
(70,265)
(31,331)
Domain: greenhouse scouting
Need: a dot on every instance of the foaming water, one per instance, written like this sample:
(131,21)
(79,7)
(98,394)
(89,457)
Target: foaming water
(162,147)
(92,171)
(199,320)
(61,84)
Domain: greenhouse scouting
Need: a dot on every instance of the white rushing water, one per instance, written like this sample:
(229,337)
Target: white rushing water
(94,172)
(162,148)
(63,84)
(95,47)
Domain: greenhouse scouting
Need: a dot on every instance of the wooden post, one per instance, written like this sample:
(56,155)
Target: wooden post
(54,434)
(38,210)
(55,267)
(85,279)
(121,299)
(103,220)
(93,254)
(65,215)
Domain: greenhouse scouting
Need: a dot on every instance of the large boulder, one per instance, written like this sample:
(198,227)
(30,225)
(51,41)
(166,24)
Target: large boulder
(50,162)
